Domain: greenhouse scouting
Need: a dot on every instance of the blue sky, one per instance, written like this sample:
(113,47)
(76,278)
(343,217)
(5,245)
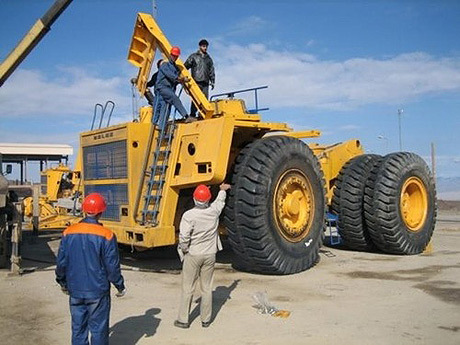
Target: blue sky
(343,67)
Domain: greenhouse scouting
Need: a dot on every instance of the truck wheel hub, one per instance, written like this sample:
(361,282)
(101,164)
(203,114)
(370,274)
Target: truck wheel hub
(414,203)
(293,205)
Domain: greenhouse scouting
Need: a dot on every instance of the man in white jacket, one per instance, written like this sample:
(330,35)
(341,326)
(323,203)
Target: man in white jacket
(199,242)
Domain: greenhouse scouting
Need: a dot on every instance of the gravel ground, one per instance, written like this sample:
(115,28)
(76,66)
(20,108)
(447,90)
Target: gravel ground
(348,298)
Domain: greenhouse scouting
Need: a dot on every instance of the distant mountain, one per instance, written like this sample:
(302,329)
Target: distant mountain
(448,188)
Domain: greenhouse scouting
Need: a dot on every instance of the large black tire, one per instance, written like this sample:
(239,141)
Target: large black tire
(348,202)
(242,260)
(275,214)
(400,204)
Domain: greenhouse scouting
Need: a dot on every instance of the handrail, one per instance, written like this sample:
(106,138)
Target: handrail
(111,110)
(96,106)
(231,95)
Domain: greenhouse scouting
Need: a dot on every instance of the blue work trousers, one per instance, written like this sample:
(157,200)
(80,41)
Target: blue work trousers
(170,97)
(90,316)
(159,111)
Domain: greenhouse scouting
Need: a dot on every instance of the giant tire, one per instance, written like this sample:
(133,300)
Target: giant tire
(400,204)
(348,202)
(275,214)
(242,260)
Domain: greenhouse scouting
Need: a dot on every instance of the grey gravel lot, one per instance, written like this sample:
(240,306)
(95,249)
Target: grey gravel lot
(347,298)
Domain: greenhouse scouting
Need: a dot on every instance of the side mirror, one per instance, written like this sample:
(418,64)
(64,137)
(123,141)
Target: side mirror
(9,169)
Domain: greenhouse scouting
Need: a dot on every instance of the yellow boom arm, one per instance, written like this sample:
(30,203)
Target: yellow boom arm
(31,39)
(148,37)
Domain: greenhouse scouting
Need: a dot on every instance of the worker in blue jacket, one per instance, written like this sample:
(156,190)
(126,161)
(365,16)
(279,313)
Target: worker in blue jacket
(166,82)
(87,263)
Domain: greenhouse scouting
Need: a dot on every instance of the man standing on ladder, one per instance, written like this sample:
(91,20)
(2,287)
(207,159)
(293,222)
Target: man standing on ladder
(167,80)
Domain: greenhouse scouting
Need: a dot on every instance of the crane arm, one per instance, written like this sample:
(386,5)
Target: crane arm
(31,39)
(147,38)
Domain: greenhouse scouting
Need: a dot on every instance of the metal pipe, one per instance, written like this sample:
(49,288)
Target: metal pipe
(97,105)
(31,39)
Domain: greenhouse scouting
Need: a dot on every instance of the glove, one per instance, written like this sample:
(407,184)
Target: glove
(64,290)
(121,293)
(212,86)
(183,79)
(133,80)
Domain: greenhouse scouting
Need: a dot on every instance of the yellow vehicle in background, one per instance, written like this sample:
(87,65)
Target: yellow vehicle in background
(281,187)
(58,184)
(59,200)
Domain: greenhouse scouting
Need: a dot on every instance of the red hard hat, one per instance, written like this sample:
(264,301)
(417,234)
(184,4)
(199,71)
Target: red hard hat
(175,51)
(202,193)
(94,203)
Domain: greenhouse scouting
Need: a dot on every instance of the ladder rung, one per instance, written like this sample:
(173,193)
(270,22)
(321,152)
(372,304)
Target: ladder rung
(149,211)
(157,171)
(155,182)
(162,152)
(151,197)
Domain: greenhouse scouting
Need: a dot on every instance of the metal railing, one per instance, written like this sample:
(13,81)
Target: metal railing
(232,94)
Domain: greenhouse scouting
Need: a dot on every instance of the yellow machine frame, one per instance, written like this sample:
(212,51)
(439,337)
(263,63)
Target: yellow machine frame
(51,216)
(201,152)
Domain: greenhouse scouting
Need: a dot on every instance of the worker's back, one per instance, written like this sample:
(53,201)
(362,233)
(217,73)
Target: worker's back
(203,222)
(89,257)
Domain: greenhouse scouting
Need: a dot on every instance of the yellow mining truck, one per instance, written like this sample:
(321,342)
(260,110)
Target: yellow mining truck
(281,187)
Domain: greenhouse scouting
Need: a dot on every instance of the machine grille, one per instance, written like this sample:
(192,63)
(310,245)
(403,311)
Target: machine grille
(114,194)
(105,161)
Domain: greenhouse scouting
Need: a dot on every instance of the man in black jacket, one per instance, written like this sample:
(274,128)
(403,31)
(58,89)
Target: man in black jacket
(202,68)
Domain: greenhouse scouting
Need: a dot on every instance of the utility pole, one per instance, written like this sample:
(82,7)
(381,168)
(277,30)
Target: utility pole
(155,9)
(400,111)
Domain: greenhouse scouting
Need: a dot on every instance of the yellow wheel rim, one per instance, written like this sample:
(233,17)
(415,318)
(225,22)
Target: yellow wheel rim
(293,205)
(414,203)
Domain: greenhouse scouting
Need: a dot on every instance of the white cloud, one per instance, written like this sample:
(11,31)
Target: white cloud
(248,25)
(72,92)
(301,80)
(295,79)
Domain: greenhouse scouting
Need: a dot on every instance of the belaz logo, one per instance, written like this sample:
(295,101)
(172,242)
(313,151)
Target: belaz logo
(103,136)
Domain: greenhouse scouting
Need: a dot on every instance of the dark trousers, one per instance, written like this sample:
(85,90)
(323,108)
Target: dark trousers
(159,110)
(90,316)
(170,97)
(205,89)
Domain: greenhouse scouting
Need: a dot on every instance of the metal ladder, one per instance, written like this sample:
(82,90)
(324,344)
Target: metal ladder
(157,171)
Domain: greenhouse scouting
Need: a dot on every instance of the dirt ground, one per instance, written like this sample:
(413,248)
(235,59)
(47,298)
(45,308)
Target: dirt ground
(348,298)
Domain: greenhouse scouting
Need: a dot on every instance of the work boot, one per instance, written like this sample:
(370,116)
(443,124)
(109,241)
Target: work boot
(189,119)
(179,324)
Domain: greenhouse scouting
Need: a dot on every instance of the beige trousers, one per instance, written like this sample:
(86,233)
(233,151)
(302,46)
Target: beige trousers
(194,267)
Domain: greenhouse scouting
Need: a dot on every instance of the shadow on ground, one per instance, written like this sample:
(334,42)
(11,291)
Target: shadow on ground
(130,330)
(39,253)
(219,297)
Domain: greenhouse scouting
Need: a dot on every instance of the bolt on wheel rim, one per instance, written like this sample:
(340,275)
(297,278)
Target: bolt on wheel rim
(293,205)
(414,203)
